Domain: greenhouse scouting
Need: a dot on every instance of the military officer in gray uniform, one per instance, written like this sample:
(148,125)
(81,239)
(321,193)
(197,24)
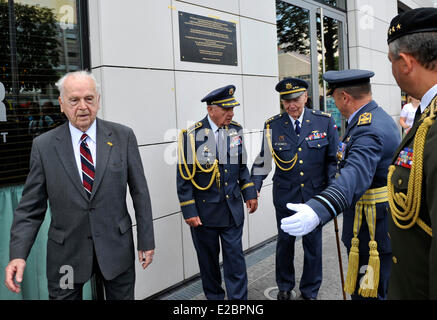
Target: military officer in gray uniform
(412,180)
(303,144)
(212,180)
(360,191)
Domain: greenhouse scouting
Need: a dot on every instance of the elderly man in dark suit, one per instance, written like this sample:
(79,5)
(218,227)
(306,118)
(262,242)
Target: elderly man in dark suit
(83,169)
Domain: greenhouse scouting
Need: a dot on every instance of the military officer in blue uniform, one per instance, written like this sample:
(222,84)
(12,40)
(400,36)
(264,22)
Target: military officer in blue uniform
(303,145)
(212,179)
(360,191)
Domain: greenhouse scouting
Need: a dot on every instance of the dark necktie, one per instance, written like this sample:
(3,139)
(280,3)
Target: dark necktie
(297,128)
(221,145)
(86,160)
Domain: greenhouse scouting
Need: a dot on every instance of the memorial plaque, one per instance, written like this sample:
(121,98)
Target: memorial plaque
(207,40)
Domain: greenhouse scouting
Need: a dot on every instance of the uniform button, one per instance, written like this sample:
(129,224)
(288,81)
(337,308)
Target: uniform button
(300,149)
(302,185)
(302,174)
(227,196)
(280,149)
(226,183)
(318,145)
(204,200)
(399,181)
(395,260)
(301,161)
(226,170)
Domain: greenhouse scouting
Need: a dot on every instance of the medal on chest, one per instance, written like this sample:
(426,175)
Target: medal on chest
(405,158)
(316,135)
(341,151)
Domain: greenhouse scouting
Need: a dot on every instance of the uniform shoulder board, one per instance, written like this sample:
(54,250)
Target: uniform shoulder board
(194,127)
(365,119)
(321,113)
(235,123)
(278,116)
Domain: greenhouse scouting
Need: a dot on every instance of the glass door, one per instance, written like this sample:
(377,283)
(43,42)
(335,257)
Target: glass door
(305,52)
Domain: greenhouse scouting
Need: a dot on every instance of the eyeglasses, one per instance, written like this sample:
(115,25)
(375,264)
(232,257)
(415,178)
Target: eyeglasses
(88,100)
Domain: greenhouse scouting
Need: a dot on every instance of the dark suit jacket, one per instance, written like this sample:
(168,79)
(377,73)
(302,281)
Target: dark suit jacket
(79,223)
(414,268)
(234,177)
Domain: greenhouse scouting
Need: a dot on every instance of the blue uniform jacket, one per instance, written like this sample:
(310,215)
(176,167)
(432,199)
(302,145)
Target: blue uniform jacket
(316,165)
(234,177)
(364,160)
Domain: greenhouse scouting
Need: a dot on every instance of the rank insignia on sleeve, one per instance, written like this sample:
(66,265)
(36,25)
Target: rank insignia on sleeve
(405,158)
(365,118)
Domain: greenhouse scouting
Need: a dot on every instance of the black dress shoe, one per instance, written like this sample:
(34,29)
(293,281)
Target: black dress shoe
(302,297)
(283,295)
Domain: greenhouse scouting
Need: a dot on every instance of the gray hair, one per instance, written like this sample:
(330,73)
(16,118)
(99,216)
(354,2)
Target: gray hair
(82,73)
(422,46)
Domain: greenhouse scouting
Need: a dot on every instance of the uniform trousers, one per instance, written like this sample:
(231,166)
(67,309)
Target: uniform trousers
(311,279)
(207,243)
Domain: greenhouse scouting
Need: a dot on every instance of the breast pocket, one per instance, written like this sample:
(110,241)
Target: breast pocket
(282,147)
(115,165)
(317,144)
(400,179)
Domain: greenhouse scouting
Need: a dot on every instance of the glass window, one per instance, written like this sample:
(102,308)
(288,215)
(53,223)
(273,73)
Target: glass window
(340,4)
(39,42)
(333,60)
(294,43)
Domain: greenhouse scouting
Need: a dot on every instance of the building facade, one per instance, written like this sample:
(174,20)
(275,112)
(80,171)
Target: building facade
(139,50)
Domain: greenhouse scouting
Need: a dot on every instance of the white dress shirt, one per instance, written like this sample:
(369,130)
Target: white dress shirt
(214,128)
(300,120)
(76,134)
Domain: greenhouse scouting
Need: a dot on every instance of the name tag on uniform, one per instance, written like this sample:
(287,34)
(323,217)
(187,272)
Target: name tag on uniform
(341,150)
(405,158)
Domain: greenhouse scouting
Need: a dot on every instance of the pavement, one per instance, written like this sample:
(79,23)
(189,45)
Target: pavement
(260,263)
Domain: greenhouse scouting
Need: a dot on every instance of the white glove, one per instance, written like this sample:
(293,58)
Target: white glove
(302,222)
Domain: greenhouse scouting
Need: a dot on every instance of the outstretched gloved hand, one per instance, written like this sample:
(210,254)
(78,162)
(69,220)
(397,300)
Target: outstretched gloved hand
(302,222)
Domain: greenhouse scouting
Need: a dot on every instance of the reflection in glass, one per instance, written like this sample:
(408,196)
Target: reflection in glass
(341,4)
(333,54)
(294,43)
(44,44)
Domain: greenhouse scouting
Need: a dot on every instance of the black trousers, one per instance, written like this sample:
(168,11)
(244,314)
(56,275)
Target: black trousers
(207,243)
(121,287)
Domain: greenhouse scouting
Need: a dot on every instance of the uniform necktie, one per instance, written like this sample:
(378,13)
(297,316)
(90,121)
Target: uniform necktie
(221,144)
(297,128)
(86,160)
